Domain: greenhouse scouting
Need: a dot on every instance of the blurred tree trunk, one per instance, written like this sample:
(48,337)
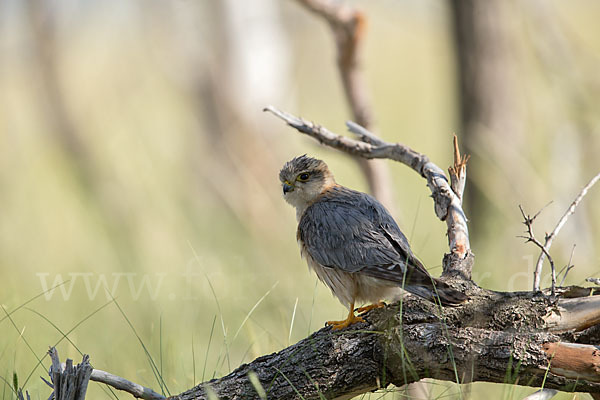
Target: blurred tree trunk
(242,67)
(46,50)
(488,86)
(42,20)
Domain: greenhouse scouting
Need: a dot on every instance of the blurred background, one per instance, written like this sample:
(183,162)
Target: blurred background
(139,175)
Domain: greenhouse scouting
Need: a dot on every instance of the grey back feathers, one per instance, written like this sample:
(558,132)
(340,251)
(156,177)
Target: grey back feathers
(352,231)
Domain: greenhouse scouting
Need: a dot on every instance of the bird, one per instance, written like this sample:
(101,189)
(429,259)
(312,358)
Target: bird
(352,243)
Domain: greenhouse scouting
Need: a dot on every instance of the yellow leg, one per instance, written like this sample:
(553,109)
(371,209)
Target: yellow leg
(363,310)
(352,319)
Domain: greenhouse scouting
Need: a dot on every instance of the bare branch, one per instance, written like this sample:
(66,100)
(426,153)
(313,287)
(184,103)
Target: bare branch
(448,206)
(543,394)
(528,221)
(69,382)
(567,267)
(559,225)
(66,379)
(574,360)
(595,281)
(458,171)
(363,134)
(138,391)
(574,314)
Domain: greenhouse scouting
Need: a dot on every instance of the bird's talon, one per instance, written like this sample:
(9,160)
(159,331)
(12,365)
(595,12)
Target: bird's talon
(351,320)
(363,310)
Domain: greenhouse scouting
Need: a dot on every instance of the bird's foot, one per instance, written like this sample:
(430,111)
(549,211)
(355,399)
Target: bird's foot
(351,320)
(363,310)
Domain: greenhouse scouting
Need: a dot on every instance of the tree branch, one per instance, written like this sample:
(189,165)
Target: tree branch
(528,222)
(70,383)
(458,171)
(542,394)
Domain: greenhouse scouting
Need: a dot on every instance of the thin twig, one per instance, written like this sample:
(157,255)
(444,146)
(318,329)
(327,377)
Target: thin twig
(528,221)
(119,383)
(559,225)
(448,207)
(568,267)
(542,394)
(364,134)
(123,384)
(458,171)
(58,368)
(595,281)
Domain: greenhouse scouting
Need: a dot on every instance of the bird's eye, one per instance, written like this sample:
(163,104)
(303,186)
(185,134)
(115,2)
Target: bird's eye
(303,177)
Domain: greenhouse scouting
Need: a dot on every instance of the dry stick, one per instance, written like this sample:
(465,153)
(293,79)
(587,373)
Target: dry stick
(550,238)
(69,382)
(542,394)
(528,221)
(138,391)
(57,376)
(567,267)
(348,26)
(448,206)
(458,171)
(595,281)
(123,384)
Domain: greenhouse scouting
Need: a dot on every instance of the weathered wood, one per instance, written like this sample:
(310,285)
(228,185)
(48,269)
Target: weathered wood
(542,394)
(69,382)
(138,391)
(575,314)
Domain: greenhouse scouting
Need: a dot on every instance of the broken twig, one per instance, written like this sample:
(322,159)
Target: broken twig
(528,221)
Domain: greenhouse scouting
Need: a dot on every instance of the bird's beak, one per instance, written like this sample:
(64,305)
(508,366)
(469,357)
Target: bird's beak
(287,187)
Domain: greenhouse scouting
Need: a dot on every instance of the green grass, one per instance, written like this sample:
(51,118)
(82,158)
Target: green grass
(162,372)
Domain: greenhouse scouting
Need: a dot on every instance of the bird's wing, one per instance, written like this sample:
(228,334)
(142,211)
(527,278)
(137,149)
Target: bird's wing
(354,232)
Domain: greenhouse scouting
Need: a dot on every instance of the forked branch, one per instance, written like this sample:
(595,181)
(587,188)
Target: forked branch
(528,222)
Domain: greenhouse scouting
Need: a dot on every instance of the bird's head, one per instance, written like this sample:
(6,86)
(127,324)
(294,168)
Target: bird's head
(304,179)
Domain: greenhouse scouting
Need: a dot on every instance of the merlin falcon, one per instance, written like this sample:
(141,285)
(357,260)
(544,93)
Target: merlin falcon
(352,242)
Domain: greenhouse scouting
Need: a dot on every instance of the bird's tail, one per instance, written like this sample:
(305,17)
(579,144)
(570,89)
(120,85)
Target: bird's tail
(438,292)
